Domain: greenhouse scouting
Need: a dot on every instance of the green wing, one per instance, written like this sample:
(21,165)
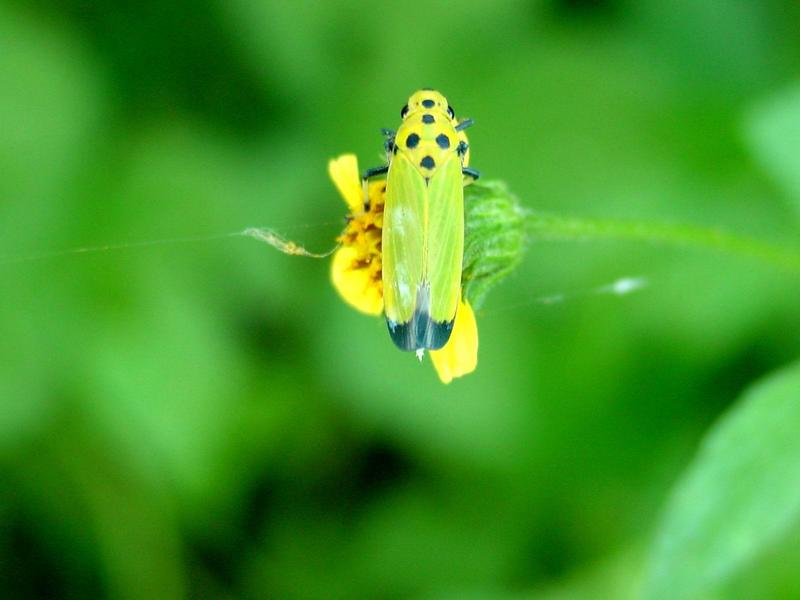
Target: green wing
(445,239)
(423,246)
(404,222)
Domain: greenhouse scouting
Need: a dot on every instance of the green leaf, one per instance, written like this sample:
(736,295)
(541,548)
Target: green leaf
(494,238)
(774,134)
(741,494)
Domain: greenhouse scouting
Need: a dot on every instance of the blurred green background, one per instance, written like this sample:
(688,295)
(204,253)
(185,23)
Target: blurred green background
(209,419)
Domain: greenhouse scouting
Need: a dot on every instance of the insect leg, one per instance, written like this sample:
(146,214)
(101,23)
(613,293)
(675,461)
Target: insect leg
(374,172)
(464,124)
(369,174)
(388,143)
(474,174)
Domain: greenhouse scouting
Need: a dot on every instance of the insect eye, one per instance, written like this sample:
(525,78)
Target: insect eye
(404,112)
(451,112)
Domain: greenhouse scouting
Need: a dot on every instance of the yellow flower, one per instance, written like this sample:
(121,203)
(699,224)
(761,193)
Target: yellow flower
(356,268)
(460,355)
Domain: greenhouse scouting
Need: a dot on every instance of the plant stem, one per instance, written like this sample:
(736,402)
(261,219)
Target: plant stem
(553,227)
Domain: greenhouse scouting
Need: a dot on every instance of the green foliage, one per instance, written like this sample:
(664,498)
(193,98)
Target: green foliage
(494,239)
(738,497)
(541,226)
(774,132)
(209,419)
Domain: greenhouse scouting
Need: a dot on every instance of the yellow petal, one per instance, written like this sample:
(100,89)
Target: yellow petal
(344,172)
(355,285)
(460,355)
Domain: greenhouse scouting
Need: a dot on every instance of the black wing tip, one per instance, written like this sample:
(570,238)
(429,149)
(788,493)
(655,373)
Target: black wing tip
(420,332)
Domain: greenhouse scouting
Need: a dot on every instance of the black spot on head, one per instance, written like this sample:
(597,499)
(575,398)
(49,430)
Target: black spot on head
(450,112)
(443,141)
(412,140)
(428,103)
(428,119)
(404,112)
(427,162)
